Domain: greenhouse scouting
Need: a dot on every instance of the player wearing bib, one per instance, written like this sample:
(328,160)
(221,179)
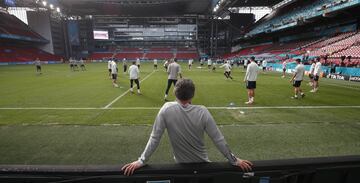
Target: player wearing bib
(250,79)
(297,78)
(134,77)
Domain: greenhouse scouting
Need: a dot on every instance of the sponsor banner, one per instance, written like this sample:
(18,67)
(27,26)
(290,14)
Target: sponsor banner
(355,78)
(338,77)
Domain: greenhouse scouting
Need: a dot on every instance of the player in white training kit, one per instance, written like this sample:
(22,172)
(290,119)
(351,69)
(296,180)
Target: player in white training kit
(227,70)
(297,78)
(109,68)
(173,70)
(317,73)
(209,63)
(38,65)
(138,62)
(250,79)
(155,64)
(311,73)
(114,73)
(82,64)
(134,77)
(190,63)
(264,64)
(124,65)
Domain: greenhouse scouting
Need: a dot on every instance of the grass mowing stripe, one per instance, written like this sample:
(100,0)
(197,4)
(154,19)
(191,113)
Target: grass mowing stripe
(127,91)
(157,108)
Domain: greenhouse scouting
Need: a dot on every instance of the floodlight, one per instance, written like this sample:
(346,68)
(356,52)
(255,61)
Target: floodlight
(44,3)
(51,6)
(58,9)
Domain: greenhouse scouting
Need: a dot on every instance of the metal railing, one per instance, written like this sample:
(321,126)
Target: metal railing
(342,169)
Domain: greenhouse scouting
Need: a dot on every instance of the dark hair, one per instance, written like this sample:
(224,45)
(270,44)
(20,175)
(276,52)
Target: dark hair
(252,58)
(298,60)
(184,89)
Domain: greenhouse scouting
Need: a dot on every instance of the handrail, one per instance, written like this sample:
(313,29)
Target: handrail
(264,168)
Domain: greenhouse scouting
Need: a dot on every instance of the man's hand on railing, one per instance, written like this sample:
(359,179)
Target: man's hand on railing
(245,165)
(129,168)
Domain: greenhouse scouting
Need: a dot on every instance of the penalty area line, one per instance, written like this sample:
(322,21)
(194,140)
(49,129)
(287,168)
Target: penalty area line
(127,91)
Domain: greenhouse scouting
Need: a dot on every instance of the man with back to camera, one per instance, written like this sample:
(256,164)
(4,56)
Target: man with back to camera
(173,70)
(134,77)
(297,78)
(185,124)
(317,72)
(250,79)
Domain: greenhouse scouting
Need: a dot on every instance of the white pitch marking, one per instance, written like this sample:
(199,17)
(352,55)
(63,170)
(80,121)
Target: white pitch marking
(157,108)
(127,91)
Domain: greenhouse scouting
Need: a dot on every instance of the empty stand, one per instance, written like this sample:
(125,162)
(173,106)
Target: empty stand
(24,54)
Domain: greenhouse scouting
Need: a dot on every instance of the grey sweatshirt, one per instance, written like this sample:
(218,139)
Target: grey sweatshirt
(186,126)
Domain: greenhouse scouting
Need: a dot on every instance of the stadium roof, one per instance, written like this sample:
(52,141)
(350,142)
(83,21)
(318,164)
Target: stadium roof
(249,3)
(136,7)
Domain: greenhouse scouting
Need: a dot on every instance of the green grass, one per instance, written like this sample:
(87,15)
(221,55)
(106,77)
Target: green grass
(75,134)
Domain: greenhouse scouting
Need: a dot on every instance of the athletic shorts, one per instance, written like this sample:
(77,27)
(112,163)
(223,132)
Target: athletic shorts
(264,68)
(316,78)
(38,67)
(296,83)
(114,76)
(250,84)
(311,76)
(109,70)
(245,67)
(71,65)
(284,69)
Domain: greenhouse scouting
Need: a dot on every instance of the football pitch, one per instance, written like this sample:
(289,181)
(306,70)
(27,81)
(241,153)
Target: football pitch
(79,118)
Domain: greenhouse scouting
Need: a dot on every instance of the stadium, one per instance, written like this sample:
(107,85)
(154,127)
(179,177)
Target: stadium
(87,85)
